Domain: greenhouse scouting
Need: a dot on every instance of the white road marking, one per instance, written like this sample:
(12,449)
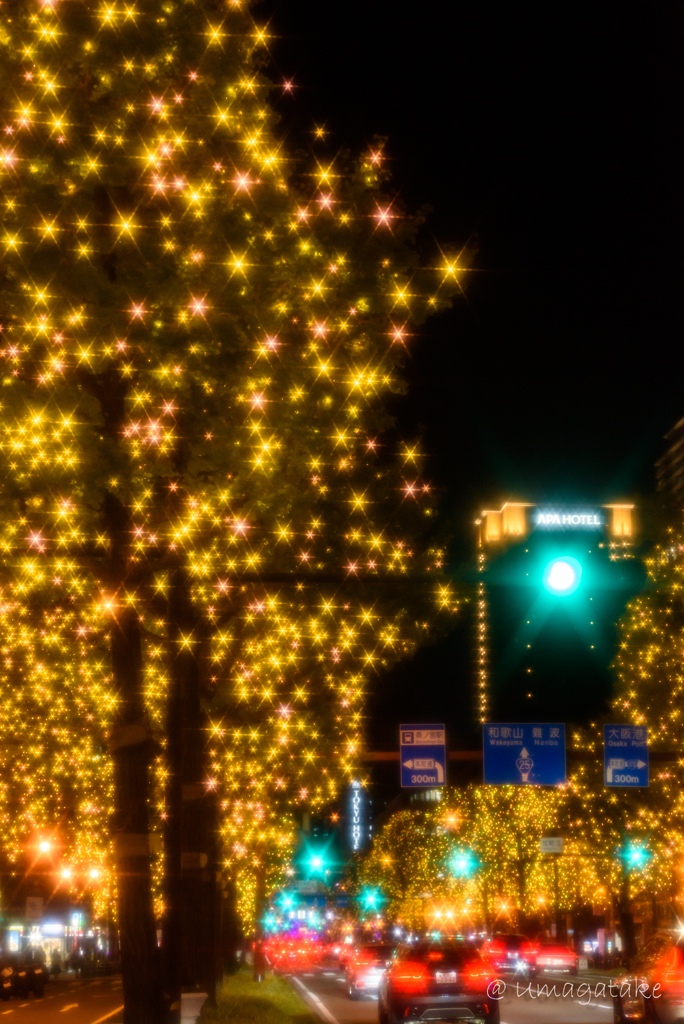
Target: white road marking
(108,1015)
(4,1012)
(318,1005)
(71,1006)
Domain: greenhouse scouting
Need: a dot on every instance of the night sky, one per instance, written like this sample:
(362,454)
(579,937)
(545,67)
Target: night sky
(548,140)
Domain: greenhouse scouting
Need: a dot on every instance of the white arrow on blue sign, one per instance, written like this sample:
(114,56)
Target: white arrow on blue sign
(422,755)
(625,755)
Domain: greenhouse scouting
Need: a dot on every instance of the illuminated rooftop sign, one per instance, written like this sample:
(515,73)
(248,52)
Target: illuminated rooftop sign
(514,520)
(569,520)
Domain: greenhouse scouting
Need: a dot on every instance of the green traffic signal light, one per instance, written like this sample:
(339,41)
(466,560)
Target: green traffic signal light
(286,901)
(317,863)
(463,863)
(371,899)
(562,576)
(636,856)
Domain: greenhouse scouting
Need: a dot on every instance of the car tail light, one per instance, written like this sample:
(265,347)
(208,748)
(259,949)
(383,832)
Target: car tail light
(478,975)
(410,977)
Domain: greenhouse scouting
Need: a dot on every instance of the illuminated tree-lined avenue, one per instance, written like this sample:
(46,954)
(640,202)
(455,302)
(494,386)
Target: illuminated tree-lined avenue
(213,537)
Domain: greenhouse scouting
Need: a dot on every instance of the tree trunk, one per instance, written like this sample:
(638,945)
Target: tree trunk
(626,918)
(231,937)
(179,627)
(190,923)
(259,972)
(131,749)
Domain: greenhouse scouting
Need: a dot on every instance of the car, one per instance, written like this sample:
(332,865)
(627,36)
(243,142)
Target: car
(366,966)
(652,988)
(347,951)
(440,979)
(510,954)
(553,956)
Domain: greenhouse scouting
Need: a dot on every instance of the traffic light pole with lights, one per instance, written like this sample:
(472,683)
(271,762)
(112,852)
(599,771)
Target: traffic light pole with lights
(633,857)
(551,583)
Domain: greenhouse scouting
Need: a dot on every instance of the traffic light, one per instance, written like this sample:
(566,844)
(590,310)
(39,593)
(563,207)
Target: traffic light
(316,863)
(463,863)
(371,899)
(635,856)
(316,857)
(562,576)
(286,901)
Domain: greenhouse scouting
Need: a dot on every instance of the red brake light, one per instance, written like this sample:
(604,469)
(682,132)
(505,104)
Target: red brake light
(478,974)
(409,977)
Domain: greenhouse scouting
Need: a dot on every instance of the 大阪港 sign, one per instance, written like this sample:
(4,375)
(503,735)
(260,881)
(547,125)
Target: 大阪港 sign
(625,755)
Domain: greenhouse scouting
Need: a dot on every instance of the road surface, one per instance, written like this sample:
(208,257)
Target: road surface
(325,990)
(69,1000)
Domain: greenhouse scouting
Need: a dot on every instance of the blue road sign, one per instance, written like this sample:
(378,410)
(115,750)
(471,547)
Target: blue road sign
(625,755)
(422,755)
(524,754)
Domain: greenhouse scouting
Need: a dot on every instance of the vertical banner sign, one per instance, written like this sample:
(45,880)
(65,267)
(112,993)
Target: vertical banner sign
(357,817)
(625,755)
(524,754)
(34,908)
(422,755)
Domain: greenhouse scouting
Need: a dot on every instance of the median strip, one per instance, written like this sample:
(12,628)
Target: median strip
(241,1000)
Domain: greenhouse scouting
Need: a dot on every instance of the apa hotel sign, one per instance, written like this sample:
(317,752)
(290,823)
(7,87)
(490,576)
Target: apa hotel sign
(514,520)
(547,517)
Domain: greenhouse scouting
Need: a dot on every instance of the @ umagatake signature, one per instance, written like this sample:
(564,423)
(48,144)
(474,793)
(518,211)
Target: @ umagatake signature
(624,989)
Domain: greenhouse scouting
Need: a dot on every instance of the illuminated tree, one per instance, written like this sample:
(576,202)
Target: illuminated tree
(650,681)
(475,860)
(56,780)
(197,337)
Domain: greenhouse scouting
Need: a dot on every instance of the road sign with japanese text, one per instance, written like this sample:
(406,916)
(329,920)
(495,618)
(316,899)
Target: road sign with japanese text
(422,755)
(524,754)
(551,844)
(625,755)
